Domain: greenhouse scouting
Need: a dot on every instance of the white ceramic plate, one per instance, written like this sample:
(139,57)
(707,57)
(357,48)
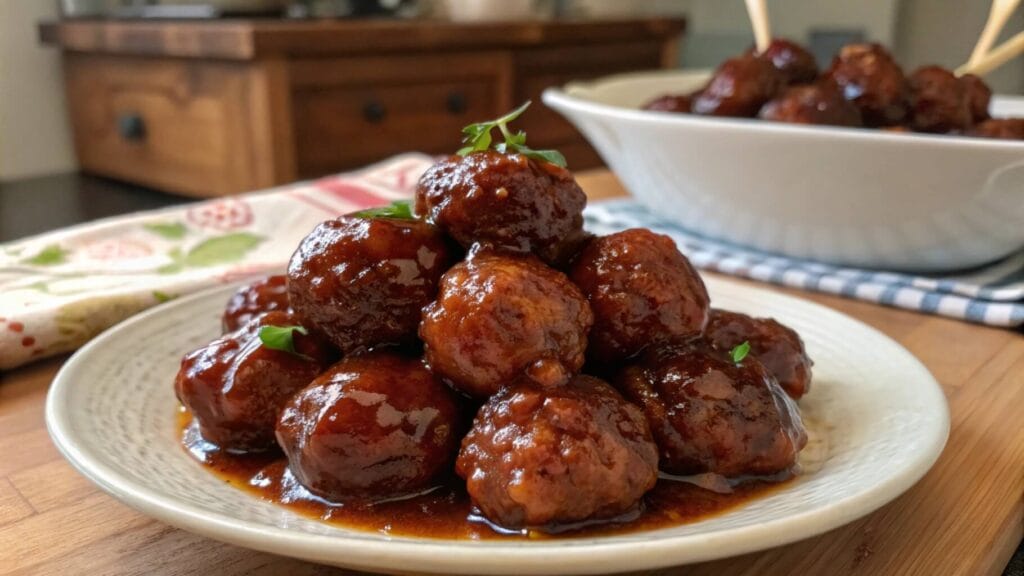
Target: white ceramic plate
(856,197)
(878,421)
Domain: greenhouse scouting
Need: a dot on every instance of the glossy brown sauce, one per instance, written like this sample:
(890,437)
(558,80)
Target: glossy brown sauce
(445,511)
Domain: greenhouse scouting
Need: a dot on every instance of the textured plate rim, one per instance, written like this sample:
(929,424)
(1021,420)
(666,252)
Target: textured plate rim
(467,557)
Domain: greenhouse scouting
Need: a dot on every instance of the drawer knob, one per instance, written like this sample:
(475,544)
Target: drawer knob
(456,103)
(131,127)
(374,112)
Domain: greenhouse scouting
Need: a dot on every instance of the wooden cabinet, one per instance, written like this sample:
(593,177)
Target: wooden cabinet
(169,124)
(214,108)
(351,111)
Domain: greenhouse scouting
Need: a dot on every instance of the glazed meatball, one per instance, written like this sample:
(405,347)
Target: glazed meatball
(249,301)
(710,414)
(235,386)
(374,426)
(739,87)
(979,95)
(820,103)
(497,317)
(939,101)
(505,201)
(777,346)
(868,76)
(364,282)
(542,456)
(796,64)
(671,103)
(642,290)
(1000,128)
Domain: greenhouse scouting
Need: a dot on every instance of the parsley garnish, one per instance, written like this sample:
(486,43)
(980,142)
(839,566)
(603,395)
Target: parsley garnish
(477,138)
(401,209)
(740,352)
(282,338)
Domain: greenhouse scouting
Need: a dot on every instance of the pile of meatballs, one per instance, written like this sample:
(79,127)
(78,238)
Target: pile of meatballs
(488,337)
(864,87)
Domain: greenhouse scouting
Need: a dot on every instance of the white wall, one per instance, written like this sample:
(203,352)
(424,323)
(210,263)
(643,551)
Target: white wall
(944,32)
(919,31)
(789,17)
(34,134)
(719,29)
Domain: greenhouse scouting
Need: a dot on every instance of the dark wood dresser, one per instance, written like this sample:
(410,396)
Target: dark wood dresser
(210,108)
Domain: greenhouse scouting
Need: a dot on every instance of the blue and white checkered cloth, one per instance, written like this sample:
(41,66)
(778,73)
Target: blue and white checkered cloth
(992,295)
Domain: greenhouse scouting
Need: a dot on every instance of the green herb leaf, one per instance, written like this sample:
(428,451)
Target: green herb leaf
(168,230)
(484,128)
(477,138)
(222,249)
(553,156)
(401,209)
(740,352)
(282,338)
(49,256)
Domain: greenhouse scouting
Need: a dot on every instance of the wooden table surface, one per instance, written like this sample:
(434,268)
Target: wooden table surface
(966,516)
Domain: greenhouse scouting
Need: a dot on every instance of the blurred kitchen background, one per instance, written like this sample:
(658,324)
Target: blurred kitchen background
(36,138)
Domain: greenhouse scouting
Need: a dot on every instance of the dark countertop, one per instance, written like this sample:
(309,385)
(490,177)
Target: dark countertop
(35,205)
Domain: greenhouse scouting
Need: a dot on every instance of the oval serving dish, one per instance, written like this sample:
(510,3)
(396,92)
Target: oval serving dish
(854,197)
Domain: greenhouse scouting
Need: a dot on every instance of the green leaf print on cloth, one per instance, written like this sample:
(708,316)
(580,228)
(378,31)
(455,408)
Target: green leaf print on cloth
(78,322)
(49,256)
(162,297)
(168,230)
(222,249)
(218,250)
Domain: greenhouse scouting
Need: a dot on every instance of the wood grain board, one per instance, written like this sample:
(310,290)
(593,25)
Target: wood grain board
(966,516)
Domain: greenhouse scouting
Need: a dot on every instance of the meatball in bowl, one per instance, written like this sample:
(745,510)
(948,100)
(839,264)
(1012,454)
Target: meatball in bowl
(867,164)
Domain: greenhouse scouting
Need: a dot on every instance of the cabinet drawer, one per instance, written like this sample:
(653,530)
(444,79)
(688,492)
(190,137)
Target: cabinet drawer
(351,112)
(168,124)
(339,128)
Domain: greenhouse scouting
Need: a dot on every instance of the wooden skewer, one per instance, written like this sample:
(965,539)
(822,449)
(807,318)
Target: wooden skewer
(997,17)
(997,57)
(758,12)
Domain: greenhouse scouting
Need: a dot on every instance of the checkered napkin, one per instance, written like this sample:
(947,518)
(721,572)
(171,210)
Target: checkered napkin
(60,289)
(992,295)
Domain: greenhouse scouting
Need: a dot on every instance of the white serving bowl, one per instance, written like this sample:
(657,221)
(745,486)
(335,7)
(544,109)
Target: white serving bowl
(847,196)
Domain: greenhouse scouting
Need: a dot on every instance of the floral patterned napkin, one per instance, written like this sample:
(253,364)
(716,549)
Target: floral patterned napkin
(58,290)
